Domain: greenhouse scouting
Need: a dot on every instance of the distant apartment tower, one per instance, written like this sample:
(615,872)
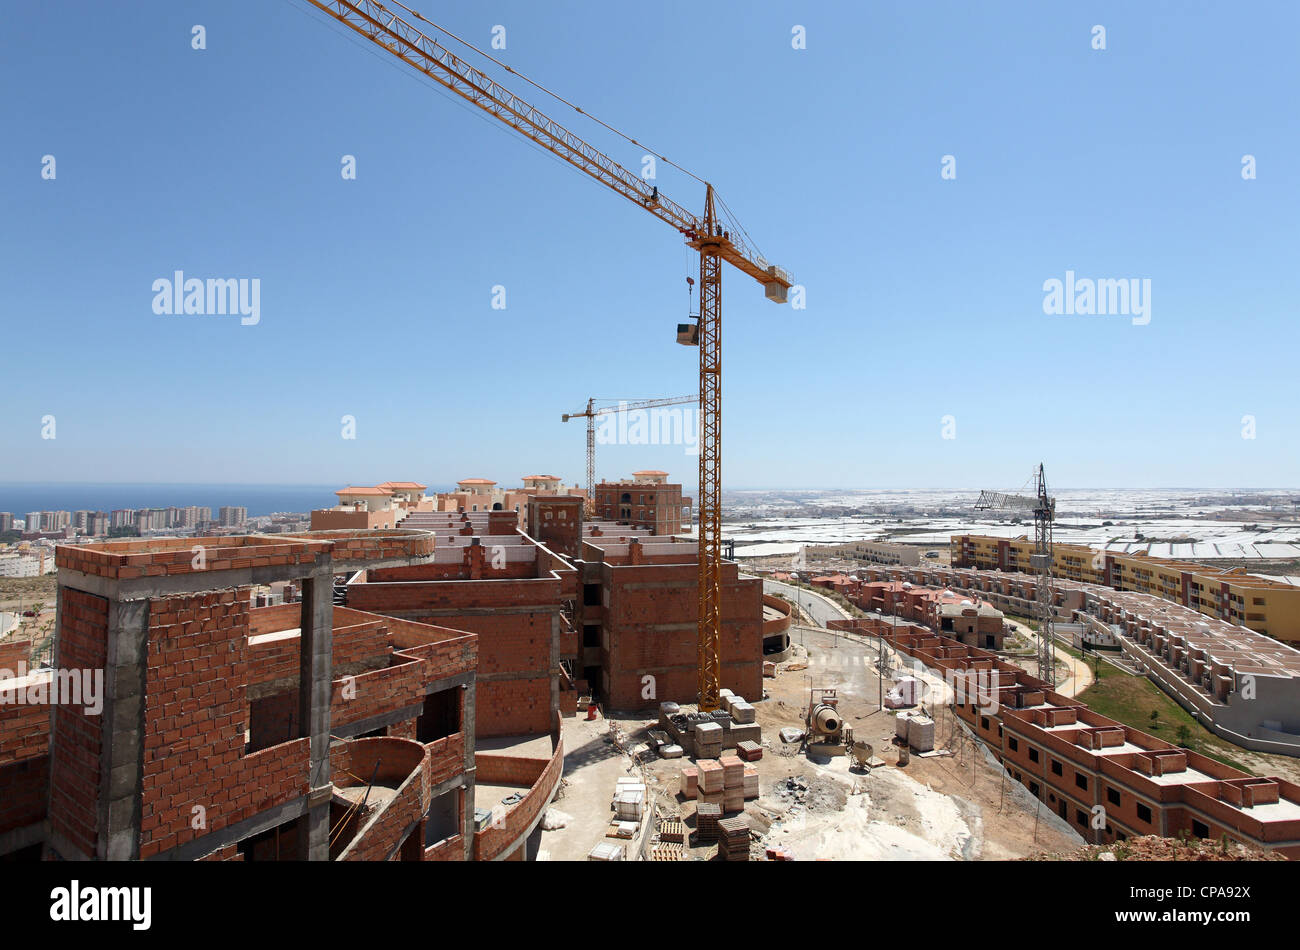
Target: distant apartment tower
(81,520)
(230,516)
(121,518)
(6,521)
(98,525)
(647,501)
(151,519)
(192,515)
(32,522)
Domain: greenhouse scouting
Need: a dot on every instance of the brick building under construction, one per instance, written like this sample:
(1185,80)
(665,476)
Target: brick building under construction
(423,677)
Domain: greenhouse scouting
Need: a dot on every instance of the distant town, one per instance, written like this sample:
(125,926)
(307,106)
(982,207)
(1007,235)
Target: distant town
(27,543)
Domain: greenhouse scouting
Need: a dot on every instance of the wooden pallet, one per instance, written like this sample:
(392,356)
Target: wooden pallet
(668,851)
(672,830)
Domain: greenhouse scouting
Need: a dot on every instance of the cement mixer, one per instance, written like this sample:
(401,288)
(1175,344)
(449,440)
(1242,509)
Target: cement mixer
(825,728)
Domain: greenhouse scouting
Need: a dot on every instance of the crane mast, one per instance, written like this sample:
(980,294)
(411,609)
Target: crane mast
(590,414)
(1043,507)
(715,241)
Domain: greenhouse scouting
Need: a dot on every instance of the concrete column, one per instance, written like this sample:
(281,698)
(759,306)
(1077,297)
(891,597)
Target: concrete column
(121,758)
(315,676)
(468,712)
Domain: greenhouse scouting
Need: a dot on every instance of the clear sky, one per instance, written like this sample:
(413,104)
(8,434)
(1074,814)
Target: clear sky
(925,295)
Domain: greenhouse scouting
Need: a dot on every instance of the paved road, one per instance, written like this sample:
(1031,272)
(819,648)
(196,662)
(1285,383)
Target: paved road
(820,608)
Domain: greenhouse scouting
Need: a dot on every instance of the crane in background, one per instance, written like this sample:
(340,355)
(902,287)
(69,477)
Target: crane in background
(1044,508)
(590,414)
(715,235)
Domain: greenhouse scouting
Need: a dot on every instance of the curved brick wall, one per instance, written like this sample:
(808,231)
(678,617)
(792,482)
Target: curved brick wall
(359,547)
(544,776)
(773,627)
(400,762)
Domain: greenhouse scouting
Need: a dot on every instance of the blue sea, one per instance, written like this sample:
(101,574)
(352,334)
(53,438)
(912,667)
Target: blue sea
(19,498)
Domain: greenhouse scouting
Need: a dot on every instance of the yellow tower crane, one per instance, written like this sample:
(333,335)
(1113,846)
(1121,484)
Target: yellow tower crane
(715,235)
(590,414)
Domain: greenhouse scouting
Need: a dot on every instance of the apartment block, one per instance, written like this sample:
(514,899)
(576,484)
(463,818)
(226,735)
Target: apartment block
(870,552)
(647,500)
(1230,594)
(513,592)
(1242,685)
(232,516)
(639,615)
(1108,780)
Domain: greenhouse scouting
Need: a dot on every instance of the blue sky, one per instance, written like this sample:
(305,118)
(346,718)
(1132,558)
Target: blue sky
(924,295)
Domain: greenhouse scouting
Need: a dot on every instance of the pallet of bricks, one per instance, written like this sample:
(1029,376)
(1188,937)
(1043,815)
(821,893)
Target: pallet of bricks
(707,781)
(720,786)
(733,838)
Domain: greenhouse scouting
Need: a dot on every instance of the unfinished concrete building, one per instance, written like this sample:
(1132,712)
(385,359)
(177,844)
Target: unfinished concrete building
(301,731)
(639,619)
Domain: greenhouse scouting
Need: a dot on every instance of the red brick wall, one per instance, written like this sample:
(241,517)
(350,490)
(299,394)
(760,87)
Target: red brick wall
(74,768)
(446,757)
(543,776)
(401,763)
(195,716)
(451,849)
(645,598)
(507,643)
(13,652)
(26,787)
(369,694)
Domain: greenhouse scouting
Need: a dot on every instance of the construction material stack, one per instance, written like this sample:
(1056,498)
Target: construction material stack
(749,751)
(733,839)
(629,800)
(733,783)
(708,740)
(707,817)
(690,781)
(712,786)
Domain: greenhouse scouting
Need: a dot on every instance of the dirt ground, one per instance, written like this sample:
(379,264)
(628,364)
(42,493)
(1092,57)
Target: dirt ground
(22,593)
(956,807)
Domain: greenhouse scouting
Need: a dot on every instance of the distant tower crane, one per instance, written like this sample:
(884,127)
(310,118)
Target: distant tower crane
(590,414)
(1044,509)
(715,234)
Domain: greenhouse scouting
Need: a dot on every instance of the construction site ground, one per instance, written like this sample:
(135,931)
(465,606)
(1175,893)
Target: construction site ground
(959,806)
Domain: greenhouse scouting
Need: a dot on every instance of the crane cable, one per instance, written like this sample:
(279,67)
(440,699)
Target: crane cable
(553,95)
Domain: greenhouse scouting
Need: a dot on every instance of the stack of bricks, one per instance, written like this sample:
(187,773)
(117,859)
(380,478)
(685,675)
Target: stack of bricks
(749,750)
(733,839)
(708,740)
(712,782)
(741,711)
(690,781)
(733,783)
(707,818)
(727,782)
